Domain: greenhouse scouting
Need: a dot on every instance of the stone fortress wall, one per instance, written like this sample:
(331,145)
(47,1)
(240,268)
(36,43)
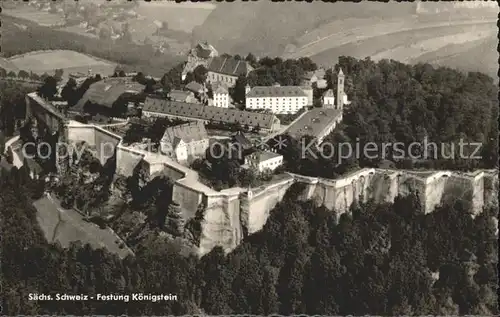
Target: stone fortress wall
(233,213)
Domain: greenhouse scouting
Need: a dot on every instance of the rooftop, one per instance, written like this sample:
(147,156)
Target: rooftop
(47,105)
(240,138)
(201,112)
(229,66)
(314,122)
(179,95)
(319,73)
(108,90)
(281,91)
(266,155)
(219,88)
(187,132)
(329,93)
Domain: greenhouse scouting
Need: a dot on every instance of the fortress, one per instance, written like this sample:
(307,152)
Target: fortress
(231,214)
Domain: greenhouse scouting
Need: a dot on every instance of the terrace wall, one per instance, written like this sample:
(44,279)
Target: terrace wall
(231,214)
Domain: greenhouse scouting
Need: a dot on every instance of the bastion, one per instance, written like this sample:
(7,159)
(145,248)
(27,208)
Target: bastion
(230,215)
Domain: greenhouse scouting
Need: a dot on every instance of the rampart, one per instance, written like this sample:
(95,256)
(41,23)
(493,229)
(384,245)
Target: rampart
(231,214)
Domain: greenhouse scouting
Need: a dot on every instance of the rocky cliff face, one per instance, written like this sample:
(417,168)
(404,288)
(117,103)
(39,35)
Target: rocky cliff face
(230,215)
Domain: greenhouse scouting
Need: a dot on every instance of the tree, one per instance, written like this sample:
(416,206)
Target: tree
(58,74)
(251,59)
(49,88)
(140,78)
(23,74)
(105,33)
(2,142)
(200,74)
(9,155)
(238,93)
(69,92)
(3,72)
(11,74)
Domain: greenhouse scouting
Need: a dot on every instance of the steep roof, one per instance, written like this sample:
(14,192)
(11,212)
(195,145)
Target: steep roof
(267,155)
(229,66)
(319,73)
(240,138)
(201,112)
(273,91)
(187,132)
(219,88)
(105,92)
(314,122)
(329,93)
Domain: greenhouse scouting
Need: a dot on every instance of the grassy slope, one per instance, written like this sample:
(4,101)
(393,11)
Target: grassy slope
(8,65)
(266,28)
(22,36)
(479,56)
(69,61)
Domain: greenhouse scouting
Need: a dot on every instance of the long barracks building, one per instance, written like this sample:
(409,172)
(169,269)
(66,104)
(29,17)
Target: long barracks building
(154,107)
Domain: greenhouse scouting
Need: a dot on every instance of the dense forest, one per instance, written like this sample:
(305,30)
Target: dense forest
(12,104)
(378,259)
(394,102)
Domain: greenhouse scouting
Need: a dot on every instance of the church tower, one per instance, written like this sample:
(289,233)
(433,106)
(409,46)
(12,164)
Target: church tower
(340,90)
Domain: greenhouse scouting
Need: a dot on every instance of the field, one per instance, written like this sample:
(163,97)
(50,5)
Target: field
(36,16)
(325,31)
(328,37)
(179,16)
(47,61)
(439,45)
(274,25)
(65,226)
(7,65)
(475,56)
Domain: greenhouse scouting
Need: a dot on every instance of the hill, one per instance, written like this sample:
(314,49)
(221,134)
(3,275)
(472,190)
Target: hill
(18,38)
(486,49)
(324,31)
(274,25)
(432,43)
(7,65)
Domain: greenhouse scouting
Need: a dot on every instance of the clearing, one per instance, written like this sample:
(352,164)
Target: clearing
(66,226)
(70,61)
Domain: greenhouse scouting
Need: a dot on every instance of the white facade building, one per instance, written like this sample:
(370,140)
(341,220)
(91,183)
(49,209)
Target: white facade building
(329,98)
(277,99)
(221,96)
(264,160)
(185,141)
